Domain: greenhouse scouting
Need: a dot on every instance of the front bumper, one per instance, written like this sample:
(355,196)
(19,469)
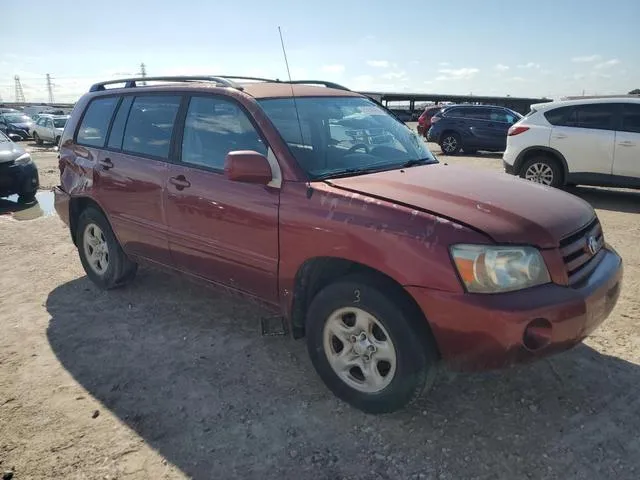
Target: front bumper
(23,134)
(20,179)
(483,332)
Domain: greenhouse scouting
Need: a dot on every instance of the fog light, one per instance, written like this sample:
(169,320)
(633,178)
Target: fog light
(537,334)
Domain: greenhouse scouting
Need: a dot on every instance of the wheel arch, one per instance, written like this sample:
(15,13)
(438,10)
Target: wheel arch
(76,206)
(316,273)
(529,152)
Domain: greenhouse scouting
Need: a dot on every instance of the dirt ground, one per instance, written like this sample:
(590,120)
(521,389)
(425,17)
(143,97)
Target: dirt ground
(167,379)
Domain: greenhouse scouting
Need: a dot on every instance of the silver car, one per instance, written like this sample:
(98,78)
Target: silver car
(49,128)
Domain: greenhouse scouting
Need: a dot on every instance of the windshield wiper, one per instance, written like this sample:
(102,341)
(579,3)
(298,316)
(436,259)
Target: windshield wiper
(417,161)
(347,172)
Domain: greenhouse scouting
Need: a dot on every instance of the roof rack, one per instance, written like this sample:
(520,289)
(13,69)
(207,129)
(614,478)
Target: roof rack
(295,82)
(132,82)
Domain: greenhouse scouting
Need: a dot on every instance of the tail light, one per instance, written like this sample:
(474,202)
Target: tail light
(517,130)
(421,119)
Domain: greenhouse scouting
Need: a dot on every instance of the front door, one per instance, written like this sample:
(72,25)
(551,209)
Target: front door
(626,161)
(224,231)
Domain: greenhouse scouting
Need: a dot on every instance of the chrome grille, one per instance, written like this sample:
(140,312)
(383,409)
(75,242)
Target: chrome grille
(582,251)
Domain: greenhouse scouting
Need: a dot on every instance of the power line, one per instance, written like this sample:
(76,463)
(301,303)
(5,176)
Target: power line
(50,88)
(19,92)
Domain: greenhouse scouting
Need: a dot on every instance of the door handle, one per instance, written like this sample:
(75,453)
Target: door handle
(106,163)
(559,136)
(627,143)
(180,182)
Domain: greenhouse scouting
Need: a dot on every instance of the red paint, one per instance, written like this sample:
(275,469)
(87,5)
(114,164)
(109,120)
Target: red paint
(234,230)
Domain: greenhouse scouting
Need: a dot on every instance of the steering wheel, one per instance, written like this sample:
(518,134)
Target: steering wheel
(356,147)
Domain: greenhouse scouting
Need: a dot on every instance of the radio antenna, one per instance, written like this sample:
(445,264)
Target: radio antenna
(293,95)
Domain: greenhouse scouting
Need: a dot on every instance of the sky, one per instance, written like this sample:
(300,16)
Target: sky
(537,48)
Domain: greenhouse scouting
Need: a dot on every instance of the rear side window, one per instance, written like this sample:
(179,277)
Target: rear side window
(630,118)
(557,116)
(93,129)
(596,116)
(117,129)
(150,125)
(455,112)
(214,127)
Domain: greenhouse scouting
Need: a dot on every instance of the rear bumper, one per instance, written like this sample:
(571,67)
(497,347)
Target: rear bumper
(483,332)
(61,203)
(20,179)
(508,168)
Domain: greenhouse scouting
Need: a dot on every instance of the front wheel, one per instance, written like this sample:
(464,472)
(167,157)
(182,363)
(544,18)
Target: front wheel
(450,143)
(366,348)
(37,139)
(102,257)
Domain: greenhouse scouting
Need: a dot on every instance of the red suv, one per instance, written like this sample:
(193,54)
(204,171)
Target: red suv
(424,120)
(321,204)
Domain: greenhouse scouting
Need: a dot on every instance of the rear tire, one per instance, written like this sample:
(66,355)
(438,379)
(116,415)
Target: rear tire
(27,197)
(37,139)
(450,143)
(388,367)
(102,257)
(543,170)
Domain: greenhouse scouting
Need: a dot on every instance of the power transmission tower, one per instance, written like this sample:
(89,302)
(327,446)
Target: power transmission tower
(143,72)
(50,88)
(19,92)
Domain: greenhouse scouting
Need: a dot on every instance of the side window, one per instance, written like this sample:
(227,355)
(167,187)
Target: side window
(214,127)
(477,113)
(49,123)
(631,118)
(117,129)
(597,116)
(40,122)
(498,115)
(150,124)
(558,116)
(456,112)
(93,129)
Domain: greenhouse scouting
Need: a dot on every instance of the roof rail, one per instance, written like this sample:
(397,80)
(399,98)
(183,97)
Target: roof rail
(319,82)
(131,82)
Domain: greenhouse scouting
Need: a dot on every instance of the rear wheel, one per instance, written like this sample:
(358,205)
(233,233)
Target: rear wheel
(543,170)
(450,143)
(37,138)
(26,197)
(102,257)
(365,347)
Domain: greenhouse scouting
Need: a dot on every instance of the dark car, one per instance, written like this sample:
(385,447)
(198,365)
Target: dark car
(424,120)
(334,214)
(18,173)
(471,128)
(16,125)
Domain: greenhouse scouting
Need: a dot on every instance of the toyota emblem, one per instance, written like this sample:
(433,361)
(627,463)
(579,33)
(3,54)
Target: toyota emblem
(592,245)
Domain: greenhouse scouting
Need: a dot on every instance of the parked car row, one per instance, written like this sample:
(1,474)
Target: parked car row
(593,141)
(46,127)
(18,173)
(385,259)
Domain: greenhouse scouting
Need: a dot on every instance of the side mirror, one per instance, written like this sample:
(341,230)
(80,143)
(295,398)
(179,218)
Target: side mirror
(247,166)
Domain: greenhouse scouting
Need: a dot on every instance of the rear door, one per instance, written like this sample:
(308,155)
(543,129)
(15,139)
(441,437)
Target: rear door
(224,231)
(480,128)
(48,132)
(131,167)
(500,120)
(627,146)
(585,135)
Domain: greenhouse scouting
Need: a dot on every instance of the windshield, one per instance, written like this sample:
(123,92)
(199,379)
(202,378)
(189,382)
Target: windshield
(16,118)
(59,122)
(342,135)
(3,138)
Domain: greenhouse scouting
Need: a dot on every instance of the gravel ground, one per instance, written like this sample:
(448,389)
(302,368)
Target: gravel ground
(169,379)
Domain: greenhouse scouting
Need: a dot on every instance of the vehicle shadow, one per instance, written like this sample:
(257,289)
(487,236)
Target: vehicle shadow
(187,370)
(609,199)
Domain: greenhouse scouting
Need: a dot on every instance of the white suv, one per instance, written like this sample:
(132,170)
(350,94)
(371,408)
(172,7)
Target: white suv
(589,142)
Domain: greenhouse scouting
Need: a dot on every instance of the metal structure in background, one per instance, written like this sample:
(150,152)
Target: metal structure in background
(19,92)
(143,72)
(518,104)
(50,88)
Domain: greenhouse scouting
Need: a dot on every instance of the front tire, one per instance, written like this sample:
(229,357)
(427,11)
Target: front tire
(102,257)
(543,170)
(450,143)
(363,343)
(37,139)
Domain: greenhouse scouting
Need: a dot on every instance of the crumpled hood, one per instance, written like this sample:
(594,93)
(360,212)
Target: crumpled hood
(508,209)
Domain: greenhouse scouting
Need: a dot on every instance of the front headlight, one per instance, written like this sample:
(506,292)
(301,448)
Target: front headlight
(495,269)
(23,159)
